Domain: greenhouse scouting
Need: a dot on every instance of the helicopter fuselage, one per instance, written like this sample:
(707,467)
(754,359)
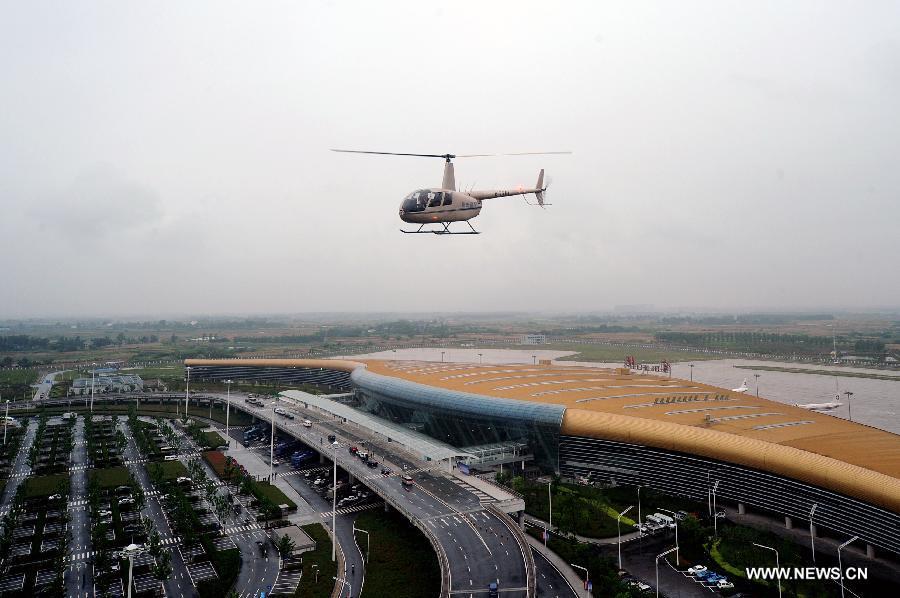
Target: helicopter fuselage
(438,205)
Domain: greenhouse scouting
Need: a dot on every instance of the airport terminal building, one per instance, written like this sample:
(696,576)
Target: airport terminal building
(617,426)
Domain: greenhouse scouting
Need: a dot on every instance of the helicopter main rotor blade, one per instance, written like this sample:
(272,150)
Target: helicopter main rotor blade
(534,153)
(393,153)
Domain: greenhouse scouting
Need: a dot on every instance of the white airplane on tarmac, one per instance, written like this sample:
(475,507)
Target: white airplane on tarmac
(742,388)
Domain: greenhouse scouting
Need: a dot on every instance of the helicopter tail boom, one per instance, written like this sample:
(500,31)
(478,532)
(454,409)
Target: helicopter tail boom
(538,191)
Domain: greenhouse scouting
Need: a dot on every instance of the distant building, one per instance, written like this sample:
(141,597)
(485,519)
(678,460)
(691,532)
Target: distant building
(105,383)
(534,339)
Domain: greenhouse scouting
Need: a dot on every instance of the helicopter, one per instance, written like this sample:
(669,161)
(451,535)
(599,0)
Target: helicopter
(445,204)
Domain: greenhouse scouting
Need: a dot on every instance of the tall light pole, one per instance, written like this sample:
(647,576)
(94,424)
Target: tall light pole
(335,446)
(659,556)
(587,574)
(272,445)
(812,531)
(442,356)
(534,360)
(777,564)
(550,499)
(692,372)
(840,564)
(130,551)
(849,412)
(640,519)
(358,529)
(479,358)
(228,412)
(715,510)
(187,386)
(93,371)
(677,548)
(619,526)
(757,384)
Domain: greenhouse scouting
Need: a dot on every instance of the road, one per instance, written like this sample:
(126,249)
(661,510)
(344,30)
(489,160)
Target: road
(79,578)
(42,388)
(258,571)
(479,545)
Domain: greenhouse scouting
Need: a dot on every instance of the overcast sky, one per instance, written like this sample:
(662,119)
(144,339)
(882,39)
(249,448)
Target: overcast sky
(172,157)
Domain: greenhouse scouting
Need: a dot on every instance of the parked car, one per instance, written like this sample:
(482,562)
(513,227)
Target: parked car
(724,584)
(696,569)
(307,423)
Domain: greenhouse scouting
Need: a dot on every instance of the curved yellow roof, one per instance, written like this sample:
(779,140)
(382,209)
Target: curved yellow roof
(689,417)
(672,414)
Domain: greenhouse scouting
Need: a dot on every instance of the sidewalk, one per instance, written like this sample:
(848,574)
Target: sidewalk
(626,537)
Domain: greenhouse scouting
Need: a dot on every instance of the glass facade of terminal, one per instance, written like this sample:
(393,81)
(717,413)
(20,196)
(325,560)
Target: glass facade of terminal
(463,419)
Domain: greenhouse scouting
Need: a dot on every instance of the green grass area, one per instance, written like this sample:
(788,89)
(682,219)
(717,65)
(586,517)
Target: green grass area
(45,485)
(212,439)
(610,354)
(402,562)
(264,489)
(110,477)
(321,586)
(842,374)
(14,377)
(167,471)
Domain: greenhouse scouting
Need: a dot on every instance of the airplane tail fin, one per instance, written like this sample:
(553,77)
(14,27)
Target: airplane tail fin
(540,189)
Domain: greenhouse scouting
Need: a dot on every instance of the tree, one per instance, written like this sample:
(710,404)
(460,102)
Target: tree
(285,546)
(162,569)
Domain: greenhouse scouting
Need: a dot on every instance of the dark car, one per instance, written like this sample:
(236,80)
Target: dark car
(385,471)
(372,464)
(331,437)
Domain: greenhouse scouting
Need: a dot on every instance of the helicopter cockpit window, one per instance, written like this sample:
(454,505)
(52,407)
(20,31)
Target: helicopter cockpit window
(415,201)
(435,198)
(448,199)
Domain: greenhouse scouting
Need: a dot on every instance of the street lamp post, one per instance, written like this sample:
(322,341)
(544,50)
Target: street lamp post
(849,412)
(187,386)
(357,529)
(715,510)
(227,411)
(757,384)
(442,356)
(479,358)
(619,526)
(272,446)
(130,551)
(677,546)
(587,574)
(840,564)
(534,360)
(5,421)
(692,372)
(812,532)
(640,519)
(659,556)
(550,499)
(334,445)
(778,563)
(93,371)
(344,582)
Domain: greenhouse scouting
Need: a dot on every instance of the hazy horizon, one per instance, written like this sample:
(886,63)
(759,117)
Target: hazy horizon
(173,158)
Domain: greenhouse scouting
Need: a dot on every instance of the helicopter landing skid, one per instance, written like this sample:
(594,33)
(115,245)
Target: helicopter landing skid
(445,231)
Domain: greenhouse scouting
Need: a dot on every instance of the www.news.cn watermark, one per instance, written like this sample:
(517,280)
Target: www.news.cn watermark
(806,573)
